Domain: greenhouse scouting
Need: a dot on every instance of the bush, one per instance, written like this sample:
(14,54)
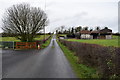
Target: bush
(105,59)
(70,36)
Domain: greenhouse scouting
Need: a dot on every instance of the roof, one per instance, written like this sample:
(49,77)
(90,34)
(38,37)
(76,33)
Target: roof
(106,31)
(95,31)
(85,32)
(103,31)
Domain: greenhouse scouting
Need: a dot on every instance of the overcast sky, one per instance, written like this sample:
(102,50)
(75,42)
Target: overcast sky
(73,13)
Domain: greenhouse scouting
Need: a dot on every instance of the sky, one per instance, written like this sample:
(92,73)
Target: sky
(72,13)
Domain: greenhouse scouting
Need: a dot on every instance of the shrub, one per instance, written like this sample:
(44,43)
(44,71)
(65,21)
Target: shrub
(70,35)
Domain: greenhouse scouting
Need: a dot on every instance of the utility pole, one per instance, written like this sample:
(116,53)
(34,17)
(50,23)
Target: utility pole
(44,26)
(44,34)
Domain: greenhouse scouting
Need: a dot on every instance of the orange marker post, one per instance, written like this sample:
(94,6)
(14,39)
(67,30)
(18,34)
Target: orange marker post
(38,46)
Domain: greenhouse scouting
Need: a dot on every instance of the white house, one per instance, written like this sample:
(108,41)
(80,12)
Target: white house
(85,34)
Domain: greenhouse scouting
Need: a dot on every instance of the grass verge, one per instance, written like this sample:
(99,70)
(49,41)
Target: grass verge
(82,71)
(46,43)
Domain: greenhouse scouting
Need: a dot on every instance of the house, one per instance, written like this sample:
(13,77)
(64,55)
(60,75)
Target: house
(105,34)
(100,34)
(85,34)
(95,34)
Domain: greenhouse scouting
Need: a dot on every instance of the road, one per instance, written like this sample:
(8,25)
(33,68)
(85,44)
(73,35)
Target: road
(46,63)
(0,64)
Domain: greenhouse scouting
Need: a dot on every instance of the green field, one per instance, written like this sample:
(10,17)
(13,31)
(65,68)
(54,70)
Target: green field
(8,39)
(62,34)
(39,37)
(104,42)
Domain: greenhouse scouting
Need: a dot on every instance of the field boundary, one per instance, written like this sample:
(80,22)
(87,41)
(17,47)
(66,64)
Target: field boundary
(105,59)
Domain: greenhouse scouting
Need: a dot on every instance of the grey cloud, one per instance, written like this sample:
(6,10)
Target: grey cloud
(73,13)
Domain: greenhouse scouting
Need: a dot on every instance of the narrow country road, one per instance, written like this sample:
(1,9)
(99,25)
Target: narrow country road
(47,63)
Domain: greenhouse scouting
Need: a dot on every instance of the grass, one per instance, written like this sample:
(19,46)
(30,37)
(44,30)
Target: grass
(104,42)
(62,35)
(39,37)
(82,71)
(46,43)
(9,39)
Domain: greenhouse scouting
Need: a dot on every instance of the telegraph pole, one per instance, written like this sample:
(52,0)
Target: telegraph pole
(44,26)
(44,33)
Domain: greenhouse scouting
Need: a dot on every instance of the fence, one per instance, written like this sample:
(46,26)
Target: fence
(26,45)
(7,44)
(22,45)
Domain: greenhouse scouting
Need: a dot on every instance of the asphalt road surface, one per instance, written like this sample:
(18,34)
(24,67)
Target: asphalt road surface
(47,63)
(0,63)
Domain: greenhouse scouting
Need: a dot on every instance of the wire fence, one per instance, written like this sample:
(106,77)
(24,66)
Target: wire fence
(7,44)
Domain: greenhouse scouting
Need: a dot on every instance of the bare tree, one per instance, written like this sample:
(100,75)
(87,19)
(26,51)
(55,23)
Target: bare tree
(62,27)
(24,20)
(78,29)
(85,28)
(105,27)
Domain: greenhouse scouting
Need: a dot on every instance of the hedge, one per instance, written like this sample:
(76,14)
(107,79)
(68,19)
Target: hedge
(105,59)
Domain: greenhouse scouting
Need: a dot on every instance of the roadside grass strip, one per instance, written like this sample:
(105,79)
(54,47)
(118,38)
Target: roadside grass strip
(82,71)
(44,45)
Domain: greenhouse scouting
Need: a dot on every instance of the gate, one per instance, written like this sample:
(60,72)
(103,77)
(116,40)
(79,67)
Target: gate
(26,45)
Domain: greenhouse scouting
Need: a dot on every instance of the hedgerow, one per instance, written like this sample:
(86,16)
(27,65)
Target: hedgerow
(105,59)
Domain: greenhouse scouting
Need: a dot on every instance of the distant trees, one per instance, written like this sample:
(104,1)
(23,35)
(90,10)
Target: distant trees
(85,28)
(91,29)
(72,30)
(24,20)
(106,28)
(97,28)
(62,27)
(77,29)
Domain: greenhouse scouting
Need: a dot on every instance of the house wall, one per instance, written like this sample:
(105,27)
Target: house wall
(108,36)
(102,37)
(105,37)
(85,36)
(91,36)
